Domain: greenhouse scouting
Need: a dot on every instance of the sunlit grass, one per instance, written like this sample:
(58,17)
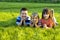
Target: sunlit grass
(10,31)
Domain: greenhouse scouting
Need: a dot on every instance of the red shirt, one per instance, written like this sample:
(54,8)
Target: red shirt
(48,22)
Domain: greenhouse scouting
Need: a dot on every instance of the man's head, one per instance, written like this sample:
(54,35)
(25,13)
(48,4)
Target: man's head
(24,12)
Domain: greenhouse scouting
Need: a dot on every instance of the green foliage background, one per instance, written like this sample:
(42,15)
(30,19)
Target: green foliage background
(37,1)
(10,31)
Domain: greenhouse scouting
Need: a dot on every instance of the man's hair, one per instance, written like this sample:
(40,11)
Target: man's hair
(23,9)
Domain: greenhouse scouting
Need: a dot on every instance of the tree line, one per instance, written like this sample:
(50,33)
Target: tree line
(36,1)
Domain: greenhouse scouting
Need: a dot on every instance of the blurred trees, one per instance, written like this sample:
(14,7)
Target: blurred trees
(38,1)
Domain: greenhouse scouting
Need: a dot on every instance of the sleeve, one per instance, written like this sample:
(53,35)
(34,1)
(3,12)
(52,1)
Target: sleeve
(28,21)
(18,20)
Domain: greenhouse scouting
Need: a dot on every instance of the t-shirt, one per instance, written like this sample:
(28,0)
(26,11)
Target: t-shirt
(49,22)
(27,21)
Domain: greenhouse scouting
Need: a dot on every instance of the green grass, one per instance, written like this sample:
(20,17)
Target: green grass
(10,31)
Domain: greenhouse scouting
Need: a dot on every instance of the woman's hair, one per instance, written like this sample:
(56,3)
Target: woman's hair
(35,14)
(47,11)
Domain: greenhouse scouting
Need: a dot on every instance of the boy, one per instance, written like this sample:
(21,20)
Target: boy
(23,19)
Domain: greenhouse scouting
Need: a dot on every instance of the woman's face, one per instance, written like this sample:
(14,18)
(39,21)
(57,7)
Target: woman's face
(46,16)
(35,19)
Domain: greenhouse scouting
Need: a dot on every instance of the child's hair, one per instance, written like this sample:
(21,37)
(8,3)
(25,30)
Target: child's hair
(52,12)
(47,11)
(23,9)
(35,14)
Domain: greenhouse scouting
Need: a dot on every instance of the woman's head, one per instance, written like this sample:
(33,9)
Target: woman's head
(46,14)
(35,17)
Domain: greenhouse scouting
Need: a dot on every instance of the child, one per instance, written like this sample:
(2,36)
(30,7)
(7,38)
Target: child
(53,18)
(35,21)
(23,19)
(46,20)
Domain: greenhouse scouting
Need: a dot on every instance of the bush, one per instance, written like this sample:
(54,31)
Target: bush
(37,1)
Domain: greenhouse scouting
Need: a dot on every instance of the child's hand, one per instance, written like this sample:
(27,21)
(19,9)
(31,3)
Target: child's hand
(23,18)
(32,24)
(37,26)
(45,26)
(20,23)
(36,21)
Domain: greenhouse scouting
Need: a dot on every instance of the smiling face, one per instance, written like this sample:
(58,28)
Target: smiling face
(35,19)
(46,16)
(24,14)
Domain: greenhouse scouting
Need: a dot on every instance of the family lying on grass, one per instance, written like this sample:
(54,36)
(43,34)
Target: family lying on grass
(47,21)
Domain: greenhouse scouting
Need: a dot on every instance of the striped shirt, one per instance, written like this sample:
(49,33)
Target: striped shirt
(27,21)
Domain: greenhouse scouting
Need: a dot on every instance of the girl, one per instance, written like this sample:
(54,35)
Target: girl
(35,20)
(46,20)
(53,18)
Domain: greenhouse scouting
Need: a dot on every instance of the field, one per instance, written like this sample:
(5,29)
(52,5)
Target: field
(10,31)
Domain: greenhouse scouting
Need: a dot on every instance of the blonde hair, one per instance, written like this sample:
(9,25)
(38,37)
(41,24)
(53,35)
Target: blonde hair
(35,14)
(52,12)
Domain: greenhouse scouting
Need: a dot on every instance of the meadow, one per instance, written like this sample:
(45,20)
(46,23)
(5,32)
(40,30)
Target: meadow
(9,11)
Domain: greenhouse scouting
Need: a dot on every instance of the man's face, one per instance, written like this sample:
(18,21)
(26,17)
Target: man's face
(24,14)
